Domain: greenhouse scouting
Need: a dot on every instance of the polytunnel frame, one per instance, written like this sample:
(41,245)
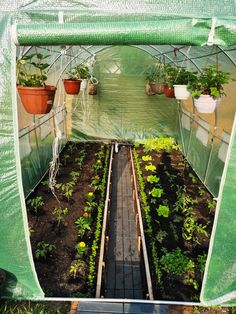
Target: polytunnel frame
(115,300)
(86,49)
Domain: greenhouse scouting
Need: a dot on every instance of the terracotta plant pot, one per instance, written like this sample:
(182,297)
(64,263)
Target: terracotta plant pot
(72,87)
(37,100)
(181,92)
(157,88)
(169,92)
(206,103)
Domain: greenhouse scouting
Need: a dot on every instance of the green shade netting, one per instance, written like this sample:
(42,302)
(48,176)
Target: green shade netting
(121,110)
(15,249)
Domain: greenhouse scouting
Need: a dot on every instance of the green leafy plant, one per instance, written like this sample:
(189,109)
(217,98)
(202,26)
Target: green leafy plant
(156,192)
(66,188)
(31,70)
(201,191)
(150,167)
(155,73)
(60,214)
(210,204)
(98,165)
(75,175)
(44,249)
(191,228)
(147,158)
(159,144)
(201,262)
(36,202)
(193,178)
(78,72)
(161,235)
(153,179)
(184,77)
(83,224)
(210,82)
(81,249)
(76,267)
(163,211)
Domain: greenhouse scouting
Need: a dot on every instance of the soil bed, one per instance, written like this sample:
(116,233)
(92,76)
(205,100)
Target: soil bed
(64,269)
(178,216)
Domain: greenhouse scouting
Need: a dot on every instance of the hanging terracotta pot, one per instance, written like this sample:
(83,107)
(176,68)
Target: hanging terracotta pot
(169,91)
(181,92)
(157,88)
(206,103)
(37,100)
(72,87)
(92,89)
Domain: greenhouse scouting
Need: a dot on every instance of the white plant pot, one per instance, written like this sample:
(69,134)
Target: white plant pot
(206,103)
(181,92)
(83,85)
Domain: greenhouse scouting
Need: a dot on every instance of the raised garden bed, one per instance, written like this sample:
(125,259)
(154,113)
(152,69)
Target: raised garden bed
(65,230)
(178,216)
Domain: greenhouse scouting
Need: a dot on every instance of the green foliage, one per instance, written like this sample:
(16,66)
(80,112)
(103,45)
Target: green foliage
(176,262)
(60,214)
(160,144)
(36,202)
(66,188)
(193,178)
(153,179)
(191,229)
(210,82)
(161,235)
(10,307)
(31,70)
(81,249)
(156,73)
(201,262)
(75,175)
(147,158)
(65,157)
(44,249)
(150,167)
(201,191)
(83,224)
(79,72)
(184,77)
(76,267)
(210,204)
(156,192)
(163,211)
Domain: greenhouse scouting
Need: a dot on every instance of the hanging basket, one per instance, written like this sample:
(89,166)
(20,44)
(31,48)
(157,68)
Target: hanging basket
(37,100)
(169,92)
(206,103)
(84,84)
(181,92)
(157,88)
(72,87)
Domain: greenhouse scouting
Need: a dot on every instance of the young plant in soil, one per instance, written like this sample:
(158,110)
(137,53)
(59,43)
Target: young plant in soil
(178,216)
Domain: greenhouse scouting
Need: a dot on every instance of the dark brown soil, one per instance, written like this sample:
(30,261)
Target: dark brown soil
(175,173)
(53,272)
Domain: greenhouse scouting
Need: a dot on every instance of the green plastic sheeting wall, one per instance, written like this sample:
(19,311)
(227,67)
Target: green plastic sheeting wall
(15,257)
(219,284)
(122,110)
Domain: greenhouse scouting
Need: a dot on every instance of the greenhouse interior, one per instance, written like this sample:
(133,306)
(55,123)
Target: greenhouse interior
(114,186)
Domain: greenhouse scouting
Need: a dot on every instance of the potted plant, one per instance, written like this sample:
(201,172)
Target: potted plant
(93,82)
(73,83)
(155,75)
(208,89)
(171,73)
(36,96)
(84,75)
(181,81)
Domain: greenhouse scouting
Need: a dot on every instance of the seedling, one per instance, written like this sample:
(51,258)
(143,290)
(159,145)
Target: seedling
(66,188)
(193,178)
(210,205)
(201,191)
(163,211)
(95,182)
(83,224)
(81,249)
(153,179)
(191,229)
(36,202)
(44,249)
(161,235)
(60,214)
(147,158)
(75,175)
(76,267)
(150,167)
